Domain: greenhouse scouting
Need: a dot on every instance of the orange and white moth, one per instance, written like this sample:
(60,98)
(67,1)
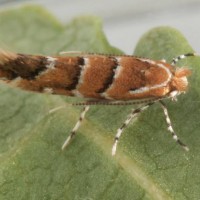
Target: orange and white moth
(100,79)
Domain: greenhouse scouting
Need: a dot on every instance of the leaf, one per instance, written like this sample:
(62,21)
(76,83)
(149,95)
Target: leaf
(148,165)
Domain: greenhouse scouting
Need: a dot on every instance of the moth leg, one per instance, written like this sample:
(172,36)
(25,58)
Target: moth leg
(73,132)
(170,128)
(56,109)
(132,115)
(71,52)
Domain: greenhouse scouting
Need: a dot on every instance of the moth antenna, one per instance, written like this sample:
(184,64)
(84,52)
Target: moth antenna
(120,103)
(97,54)
(85,53)
(183,56)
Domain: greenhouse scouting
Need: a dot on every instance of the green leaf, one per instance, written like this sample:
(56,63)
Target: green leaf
(148,164)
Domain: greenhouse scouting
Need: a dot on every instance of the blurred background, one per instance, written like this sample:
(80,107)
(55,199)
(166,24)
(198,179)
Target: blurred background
(125,21)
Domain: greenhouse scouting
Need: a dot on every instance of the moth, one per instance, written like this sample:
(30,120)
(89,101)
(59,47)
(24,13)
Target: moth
(99,79)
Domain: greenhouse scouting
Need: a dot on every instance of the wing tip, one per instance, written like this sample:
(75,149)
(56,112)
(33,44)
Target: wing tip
(6,56)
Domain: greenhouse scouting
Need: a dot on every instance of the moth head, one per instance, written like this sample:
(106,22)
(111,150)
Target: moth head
(179,81)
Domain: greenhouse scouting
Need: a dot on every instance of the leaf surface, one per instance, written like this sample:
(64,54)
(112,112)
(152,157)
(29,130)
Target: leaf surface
(148,164)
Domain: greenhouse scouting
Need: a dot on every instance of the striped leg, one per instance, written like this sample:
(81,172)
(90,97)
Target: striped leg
(73,132)
(170,128)
(133,114)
